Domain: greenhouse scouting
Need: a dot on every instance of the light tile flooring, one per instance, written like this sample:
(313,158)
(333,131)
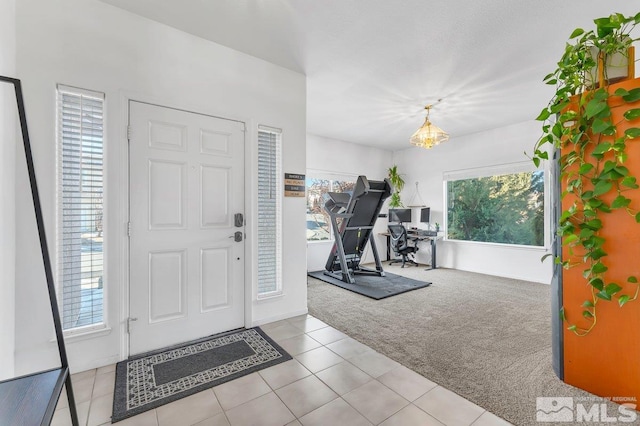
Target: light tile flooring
(332,380)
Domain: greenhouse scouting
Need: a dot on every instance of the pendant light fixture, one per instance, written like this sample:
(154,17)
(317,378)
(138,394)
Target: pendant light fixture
(428,135)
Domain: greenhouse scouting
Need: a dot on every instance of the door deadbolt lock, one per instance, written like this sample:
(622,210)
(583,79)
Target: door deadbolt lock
(238,220)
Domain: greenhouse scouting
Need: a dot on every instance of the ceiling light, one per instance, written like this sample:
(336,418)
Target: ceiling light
(428,135)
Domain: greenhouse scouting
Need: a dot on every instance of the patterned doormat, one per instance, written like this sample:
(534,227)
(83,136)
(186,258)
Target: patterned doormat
(150,380)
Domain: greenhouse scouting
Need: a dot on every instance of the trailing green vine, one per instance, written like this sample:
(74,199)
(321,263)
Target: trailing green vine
(579,120)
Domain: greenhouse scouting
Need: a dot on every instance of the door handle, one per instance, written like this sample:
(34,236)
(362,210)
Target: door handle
(237,237)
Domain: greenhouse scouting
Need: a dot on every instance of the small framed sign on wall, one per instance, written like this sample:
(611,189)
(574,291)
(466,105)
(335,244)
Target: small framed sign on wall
(294,185)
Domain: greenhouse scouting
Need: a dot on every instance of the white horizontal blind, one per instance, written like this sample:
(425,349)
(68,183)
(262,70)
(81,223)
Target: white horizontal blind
(80,204)
(269,212)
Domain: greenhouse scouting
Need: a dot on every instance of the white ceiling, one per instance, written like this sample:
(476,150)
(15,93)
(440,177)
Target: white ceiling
(372,65)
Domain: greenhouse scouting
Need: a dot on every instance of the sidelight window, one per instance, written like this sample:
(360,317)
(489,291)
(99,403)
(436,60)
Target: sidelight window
(80,207)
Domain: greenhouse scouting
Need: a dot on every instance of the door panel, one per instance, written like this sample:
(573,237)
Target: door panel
(186,184)
(214,143)
(215,197)
(215,271)
(167,286)
(168,136)
(167,195)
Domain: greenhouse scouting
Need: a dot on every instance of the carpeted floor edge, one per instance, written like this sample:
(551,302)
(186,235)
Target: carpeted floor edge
(120,395)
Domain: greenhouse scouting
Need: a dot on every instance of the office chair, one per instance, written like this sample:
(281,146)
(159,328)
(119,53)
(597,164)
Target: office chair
(400,245)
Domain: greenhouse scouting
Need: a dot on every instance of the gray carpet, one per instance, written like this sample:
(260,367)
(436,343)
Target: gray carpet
(486,338)
(374,286)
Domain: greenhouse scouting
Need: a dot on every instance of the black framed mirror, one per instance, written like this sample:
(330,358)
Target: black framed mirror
(32,399)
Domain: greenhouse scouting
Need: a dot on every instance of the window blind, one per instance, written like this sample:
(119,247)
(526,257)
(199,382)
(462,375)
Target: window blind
(80,206)
(269,212)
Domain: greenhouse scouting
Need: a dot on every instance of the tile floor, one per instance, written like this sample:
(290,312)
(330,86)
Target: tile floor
(332,380)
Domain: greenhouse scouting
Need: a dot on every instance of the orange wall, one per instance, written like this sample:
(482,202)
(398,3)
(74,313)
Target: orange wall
(606,362)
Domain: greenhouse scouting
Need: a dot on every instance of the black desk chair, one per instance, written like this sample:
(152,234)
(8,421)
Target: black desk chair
(400,245)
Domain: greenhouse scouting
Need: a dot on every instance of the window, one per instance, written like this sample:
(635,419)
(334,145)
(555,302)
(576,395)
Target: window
(80,207)
(269,212)
(496,206)
(318,224)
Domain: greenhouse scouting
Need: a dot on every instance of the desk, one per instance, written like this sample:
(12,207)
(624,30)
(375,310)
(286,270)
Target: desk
(416,237)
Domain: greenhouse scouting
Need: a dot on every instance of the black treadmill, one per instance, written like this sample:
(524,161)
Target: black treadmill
(359,212)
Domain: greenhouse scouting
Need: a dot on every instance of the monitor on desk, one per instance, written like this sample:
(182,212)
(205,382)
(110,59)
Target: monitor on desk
(400,215)
(425,215)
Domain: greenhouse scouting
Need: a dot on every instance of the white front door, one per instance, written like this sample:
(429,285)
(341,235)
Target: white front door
(186,237)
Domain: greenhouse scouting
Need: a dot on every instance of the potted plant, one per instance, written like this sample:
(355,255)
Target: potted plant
(398,185)
(592,125)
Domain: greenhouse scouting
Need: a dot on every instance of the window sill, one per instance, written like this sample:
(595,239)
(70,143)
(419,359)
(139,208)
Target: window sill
(499,245)
(270,297)
(77,336)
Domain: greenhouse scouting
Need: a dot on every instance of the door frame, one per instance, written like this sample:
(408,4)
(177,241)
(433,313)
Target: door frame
(124,187)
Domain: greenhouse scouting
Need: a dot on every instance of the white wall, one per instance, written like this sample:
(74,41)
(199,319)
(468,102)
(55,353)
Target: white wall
(495,147)
(326,155)
(8,146)
(89,44)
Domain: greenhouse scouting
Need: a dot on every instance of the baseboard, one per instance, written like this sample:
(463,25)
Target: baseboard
(493,273)
(88,364)
(279,317)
